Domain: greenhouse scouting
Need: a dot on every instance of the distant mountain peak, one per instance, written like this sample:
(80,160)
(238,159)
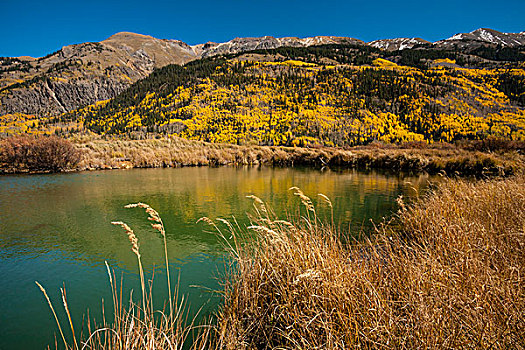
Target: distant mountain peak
(127,35)
(489,36)
(397,43)
(269,42)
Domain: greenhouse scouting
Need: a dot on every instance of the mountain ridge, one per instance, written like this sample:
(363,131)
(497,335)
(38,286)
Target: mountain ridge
(81,74)
(485,35)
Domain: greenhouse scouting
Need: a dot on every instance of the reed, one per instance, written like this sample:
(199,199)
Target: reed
(42,289)
(136,326)
(464,159)
(446,273)
(82,152)
(135,249)
(159,226)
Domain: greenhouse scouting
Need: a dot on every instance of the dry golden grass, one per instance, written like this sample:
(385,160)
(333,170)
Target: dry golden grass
(480,158)
(449,275)
(447,272)
(177,152)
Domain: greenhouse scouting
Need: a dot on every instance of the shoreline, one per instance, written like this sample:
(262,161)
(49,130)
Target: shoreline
(100,154)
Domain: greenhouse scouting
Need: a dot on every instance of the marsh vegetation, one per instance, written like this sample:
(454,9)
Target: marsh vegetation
(445,272)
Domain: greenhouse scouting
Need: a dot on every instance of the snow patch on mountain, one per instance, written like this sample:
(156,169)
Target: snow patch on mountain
(490,36)
(397,44)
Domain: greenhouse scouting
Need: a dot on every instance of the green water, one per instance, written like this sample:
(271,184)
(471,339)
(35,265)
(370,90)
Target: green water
(56,229)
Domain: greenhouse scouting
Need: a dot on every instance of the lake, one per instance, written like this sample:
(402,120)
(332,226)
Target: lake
(56,229)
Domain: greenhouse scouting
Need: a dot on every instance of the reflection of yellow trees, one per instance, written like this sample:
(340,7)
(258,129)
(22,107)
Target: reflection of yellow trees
(325,105)
(79,220)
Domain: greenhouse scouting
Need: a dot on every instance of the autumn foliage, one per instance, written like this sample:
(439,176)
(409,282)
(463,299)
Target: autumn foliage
(42,153)
(295,103)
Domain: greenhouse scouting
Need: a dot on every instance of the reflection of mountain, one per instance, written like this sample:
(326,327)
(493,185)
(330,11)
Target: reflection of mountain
(72,213)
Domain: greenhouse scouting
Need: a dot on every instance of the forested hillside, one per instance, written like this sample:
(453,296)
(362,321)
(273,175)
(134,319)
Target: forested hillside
(327,95)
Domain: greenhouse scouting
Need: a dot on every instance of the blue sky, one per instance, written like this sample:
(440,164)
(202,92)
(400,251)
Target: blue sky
(36,28)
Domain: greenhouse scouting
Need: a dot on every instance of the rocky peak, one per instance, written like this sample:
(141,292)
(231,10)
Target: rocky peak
(269,42)
(487,36)
(397,43)
(160,51)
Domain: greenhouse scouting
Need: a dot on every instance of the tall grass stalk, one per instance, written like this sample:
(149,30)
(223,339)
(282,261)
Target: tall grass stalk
(136,326)
(53,311)
(135,249)
(159,226)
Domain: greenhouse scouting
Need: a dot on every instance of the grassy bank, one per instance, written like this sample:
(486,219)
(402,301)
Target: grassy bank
(448,274)
(467,159)
(28,154)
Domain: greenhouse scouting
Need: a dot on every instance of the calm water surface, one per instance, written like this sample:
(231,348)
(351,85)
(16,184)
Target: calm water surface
(56,229)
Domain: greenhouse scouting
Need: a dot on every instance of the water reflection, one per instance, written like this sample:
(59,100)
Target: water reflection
(56,228)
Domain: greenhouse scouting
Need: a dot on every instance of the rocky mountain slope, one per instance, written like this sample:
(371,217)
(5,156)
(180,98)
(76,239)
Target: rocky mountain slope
(397,44)
(82,74)
(268,42)
(483,36)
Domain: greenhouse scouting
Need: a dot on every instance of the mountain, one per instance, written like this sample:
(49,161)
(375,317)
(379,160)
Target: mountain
(468,41)
(82,74)
(483,36)
(145,48)
(398,43)
(298,100)
(268,42)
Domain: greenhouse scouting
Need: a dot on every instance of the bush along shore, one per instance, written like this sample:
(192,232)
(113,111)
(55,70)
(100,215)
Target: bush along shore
(446,272)
(39,154)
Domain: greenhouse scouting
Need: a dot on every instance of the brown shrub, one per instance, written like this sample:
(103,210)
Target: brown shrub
(42,153)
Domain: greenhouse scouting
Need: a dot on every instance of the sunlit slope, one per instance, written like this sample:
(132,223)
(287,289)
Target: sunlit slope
(293,102)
